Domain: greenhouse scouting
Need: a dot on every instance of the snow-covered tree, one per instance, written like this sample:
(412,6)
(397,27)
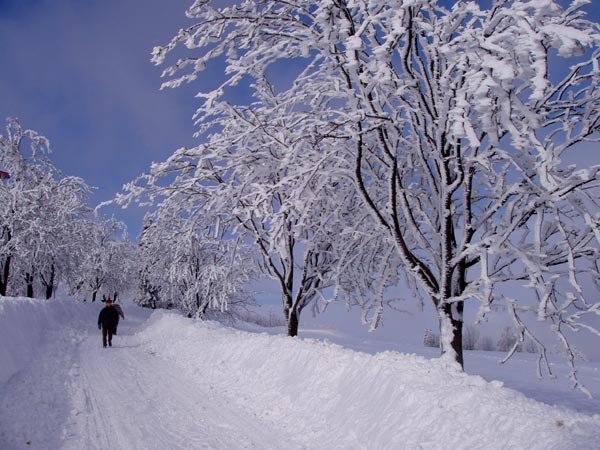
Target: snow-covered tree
(240,179)
(25,171)
(41,215)
(62,216)
(456,118)
(190,265)
(152,269)
(107,265)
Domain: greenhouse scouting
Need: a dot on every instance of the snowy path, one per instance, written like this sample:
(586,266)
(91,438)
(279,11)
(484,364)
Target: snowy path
(120,398)
(174,383)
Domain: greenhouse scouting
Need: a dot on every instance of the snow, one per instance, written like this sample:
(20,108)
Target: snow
(173,383)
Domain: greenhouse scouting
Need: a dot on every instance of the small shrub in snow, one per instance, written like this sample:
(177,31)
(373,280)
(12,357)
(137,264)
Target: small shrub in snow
(530,347)
(486,343)
(431,339)
(507,340)
(268,320)
(470,337)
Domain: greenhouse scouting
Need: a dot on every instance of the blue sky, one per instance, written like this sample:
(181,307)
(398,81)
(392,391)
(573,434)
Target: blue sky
(79,72)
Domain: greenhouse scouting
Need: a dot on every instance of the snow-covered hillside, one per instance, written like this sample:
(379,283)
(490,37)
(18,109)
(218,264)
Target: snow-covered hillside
(170,382)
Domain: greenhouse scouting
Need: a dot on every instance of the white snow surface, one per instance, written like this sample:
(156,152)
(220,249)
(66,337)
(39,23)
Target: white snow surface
(170,382)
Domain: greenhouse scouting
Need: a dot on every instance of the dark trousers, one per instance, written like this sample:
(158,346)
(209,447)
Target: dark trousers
(107,333)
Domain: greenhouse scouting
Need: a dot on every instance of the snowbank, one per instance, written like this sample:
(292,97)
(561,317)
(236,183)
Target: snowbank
(24,323)
(331,397)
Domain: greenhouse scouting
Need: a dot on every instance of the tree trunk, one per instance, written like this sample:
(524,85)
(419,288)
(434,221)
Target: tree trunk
(50,284)
(201,307)
(205,308)
(5,274)
(293,320)
(29,283)
(291,315)
(94,294)
(450,317)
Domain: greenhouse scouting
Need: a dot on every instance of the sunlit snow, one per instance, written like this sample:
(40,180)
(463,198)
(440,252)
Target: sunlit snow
(174,383)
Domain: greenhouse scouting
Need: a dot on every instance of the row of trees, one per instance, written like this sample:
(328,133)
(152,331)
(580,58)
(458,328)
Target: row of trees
(472,340)
(48,234)
(399,142)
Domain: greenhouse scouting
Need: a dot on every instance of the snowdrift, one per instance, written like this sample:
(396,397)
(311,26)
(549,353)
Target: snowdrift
(24,323)
(346,399)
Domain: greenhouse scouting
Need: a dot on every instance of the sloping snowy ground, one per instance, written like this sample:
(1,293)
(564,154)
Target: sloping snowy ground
(170,382)
(518,373)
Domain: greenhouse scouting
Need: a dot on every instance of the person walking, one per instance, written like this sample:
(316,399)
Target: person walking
(107,322)
(121,314)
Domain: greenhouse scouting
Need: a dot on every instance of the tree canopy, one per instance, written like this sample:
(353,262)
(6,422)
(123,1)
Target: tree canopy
(419,139)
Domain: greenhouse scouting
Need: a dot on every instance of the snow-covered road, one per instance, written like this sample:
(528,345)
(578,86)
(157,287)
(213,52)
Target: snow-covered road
(170,382)
(123,397)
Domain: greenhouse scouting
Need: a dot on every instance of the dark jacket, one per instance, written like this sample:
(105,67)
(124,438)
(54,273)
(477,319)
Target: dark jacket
(108,318)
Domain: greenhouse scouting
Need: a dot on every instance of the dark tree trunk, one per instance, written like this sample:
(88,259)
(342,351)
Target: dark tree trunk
(50,284)
(204,308)
(94,294)
(29,283)
(201,307)
(456,321)
(290,314)
(292,323)
(5,274)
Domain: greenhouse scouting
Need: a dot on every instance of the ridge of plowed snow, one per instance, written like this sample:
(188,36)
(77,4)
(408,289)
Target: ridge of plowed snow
(348,399)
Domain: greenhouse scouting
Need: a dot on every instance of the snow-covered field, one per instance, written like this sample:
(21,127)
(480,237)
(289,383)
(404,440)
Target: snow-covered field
(174,383)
